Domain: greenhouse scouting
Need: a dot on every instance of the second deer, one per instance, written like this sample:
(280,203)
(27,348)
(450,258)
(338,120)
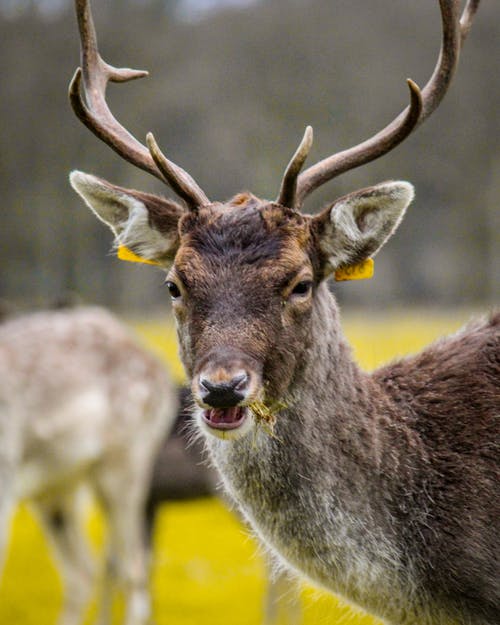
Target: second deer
(82,403)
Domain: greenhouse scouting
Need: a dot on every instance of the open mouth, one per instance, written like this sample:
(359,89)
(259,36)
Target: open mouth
(225,418)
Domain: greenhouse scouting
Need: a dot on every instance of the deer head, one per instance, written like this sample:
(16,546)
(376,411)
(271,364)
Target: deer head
(246,276)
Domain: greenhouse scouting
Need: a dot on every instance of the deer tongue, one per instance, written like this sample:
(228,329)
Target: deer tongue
(225,418)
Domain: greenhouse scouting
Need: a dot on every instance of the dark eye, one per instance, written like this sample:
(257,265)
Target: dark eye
(302,288)
(173,289)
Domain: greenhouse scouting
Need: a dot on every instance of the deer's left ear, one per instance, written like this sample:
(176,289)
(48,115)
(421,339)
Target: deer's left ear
(143,223)
(356,226)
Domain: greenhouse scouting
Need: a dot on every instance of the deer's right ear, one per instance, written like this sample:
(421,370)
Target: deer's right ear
(144,223)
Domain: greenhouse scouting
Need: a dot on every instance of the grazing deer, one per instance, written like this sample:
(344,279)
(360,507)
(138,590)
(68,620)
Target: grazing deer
(382,487)
(82,402)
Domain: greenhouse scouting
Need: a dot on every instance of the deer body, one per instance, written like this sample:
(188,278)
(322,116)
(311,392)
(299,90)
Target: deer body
(370,490)
(381,487)
(82,403)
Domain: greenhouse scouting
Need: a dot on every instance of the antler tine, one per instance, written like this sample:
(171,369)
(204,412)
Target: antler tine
(178,179)
(467,17)
(454,32)
(287,194)
(369,150)
(87,93)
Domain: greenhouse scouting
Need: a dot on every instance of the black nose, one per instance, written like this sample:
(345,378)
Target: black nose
(223,394)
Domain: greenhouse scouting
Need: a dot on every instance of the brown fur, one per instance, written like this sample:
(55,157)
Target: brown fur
(449,397)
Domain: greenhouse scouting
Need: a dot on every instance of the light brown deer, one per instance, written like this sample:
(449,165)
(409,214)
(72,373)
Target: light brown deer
(381,487)
(81,402)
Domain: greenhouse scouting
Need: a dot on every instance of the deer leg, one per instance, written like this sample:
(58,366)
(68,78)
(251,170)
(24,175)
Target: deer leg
(6,510)
(121,493)
(63,524)
(9,461)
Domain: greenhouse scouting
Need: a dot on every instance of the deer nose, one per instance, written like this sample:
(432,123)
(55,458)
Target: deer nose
(223,394)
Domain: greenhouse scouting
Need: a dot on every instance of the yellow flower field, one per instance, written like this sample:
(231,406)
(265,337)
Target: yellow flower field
(207,569)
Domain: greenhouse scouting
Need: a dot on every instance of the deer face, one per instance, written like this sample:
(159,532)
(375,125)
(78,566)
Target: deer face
(242,287)
(243,278)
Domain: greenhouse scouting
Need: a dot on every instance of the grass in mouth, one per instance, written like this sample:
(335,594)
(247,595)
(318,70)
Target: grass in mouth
(265,416)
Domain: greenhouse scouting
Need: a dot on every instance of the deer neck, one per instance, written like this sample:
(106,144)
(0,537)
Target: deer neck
(329,392)
(313,489)
(329,403)
(327,379)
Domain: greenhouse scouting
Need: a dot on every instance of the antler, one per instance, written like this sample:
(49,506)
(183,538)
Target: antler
(422,104)
(289,184)
(87,93)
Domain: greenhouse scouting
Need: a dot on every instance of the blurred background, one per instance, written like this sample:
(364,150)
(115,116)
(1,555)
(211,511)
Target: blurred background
(232,85)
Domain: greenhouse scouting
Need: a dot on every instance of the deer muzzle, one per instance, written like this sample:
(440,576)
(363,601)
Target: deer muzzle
(225,384)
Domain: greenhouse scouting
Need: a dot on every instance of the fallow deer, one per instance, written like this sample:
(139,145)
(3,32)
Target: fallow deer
(382,487)
(81,402)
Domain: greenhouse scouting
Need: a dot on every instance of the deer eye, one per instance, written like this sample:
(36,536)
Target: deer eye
(302,288)
(173,289)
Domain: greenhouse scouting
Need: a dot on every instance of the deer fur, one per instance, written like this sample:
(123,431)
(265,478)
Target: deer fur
(182,472)
(382,487)
(81,402)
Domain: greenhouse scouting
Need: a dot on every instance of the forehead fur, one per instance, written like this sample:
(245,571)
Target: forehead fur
(244,231)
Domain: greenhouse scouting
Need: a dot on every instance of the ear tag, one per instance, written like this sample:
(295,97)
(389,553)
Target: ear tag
(361,271)
(124,253)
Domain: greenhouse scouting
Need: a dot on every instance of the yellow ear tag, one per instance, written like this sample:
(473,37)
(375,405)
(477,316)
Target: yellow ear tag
(361,271)
(124,253)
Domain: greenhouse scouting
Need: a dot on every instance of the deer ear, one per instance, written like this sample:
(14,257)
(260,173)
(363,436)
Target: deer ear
(146,224)
(356,226)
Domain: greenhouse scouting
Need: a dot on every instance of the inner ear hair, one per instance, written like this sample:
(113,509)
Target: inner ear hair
(362,216)
(357,225)
(146,224)
(384,202)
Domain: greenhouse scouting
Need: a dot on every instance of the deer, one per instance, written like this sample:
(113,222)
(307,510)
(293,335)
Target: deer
(82,404)
(381,487)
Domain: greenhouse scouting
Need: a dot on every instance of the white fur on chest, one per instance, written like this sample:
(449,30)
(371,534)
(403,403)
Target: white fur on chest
(343,552)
